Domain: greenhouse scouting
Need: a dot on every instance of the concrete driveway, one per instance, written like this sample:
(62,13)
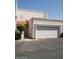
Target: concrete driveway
(39,49)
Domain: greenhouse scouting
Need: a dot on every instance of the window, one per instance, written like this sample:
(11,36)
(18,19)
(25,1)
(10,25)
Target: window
(21,16)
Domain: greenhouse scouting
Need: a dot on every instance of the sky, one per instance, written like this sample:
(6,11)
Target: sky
(54,8)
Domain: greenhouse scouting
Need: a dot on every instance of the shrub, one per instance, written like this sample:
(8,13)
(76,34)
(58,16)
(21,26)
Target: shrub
(21,27)
(17,34)
(61,35)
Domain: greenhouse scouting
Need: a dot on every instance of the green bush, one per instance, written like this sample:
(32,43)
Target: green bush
(21,27)
(17,34)
(61,35)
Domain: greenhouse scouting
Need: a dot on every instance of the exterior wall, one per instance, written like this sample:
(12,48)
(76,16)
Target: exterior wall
(47,22)
(28,14)
(30,28)
(42,23)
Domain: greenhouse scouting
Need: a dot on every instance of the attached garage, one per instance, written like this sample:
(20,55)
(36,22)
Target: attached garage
(46,32)
(40,28)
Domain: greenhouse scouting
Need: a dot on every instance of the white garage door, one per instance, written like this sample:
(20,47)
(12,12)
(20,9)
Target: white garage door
(47,32)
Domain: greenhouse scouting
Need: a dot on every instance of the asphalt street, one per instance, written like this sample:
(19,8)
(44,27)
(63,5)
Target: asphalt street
(39,49)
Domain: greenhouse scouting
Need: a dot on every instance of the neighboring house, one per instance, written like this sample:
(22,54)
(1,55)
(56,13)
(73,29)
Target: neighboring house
(23,14)
(27,14)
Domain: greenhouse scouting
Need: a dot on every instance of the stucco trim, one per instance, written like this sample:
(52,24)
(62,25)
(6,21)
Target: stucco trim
(43,19)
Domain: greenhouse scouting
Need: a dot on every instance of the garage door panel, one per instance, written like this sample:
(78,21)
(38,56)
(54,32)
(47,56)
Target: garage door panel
(46,33)
(46,28)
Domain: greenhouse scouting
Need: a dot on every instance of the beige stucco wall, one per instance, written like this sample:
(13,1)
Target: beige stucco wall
(28,14)
(47,22)
(30,29)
